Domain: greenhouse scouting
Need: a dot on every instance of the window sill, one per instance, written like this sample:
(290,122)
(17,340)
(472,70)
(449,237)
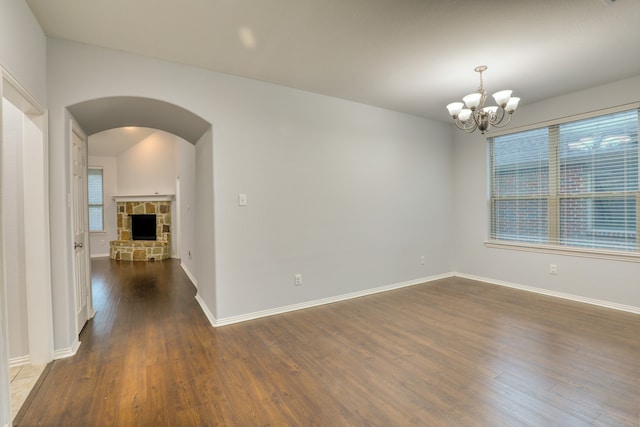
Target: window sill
(563,250)
(98,232)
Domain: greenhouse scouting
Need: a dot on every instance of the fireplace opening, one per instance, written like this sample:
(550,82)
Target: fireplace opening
(143,227)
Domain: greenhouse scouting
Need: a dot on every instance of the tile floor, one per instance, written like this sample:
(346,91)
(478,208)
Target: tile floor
(23,378)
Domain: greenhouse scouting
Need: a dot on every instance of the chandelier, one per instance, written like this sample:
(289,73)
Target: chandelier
(476,115)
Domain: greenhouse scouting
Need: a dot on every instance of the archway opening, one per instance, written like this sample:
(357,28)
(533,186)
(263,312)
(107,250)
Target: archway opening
(101,114)
(105,114)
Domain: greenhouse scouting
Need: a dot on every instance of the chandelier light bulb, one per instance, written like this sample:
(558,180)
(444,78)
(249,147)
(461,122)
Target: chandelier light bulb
(478,116)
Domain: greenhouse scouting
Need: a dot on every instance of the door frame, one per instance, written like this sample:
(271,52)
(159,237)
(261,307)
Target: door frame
(37,248)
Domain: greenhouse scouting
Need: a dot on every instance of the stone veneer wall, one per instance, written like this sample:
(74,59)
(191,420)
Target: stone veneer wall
(142,250)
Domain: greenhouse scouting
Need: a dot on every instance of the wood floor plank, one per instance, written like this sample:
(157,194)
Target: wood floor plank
(453,352)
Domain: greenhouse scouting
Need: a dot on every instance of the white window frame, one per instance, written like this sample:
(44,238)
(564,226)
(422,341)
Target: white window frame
(620,255)
(101,205)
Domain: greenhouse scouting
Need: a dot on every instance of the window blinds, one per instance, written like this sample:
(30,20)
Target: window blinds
(520,185)
(95,199)
(569,184)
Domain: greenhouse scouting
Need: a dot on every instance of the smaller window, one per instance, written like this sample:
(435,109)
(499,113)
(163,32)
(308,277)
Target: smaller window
(96,204)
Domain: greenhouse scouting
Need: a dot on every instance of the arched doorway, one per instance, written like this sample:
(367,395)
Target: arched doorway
(102,114)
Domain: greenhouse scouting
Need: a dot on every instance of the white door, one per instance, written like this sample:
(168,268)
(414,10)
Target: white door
(79,212)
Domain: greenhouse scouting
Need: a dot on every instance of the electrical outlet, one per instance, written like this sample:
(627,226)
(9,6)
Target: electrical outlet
(422,260)
(553,269)
(298,279)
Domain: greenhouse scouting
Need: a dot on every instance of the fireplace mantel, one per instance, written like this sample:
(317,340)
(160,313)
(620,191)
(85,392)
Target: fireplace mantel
(146,198)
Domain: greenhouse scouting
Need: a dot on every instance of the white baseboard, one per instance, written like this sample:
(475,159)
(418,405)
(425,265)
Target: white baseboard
(189,275)
(308,304)
(206,311)
(19,361)
(571,297)
(107,255)
(67,352)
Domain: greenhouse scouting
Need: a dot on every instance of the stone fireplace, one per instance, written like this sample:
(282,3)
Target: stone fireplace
(126,248)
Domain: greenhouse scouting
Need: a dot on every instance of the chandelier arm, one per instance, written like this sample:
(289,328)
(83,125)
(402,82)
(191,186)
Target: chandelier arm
(498,117)
(466,127)
(500,124)
(471,129)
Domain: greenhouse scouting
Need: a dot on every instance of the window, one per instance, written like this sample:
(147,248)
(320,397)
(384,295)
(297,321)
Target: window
(96,205)
(570,184)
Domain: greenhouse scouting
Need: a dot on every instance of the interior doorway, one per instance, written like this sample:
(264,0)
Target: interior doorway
(196,193)
(25,273)
(135,166)
(98,115)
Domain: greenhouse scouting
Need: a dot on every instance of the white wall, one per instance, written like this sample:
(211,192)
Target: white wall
(614,282)
(13,230)
(99,242)
(186,170)
(149,167)
(346,194)
(205,261)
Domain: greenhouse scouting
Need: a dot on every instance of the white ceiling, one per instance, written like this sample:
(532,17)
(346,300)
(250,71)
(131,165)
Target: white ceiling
(413,56)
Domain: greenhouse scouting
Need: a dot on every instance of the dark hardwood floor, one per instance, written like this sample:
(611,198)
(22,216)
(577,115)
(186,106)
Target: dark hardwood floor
(448,353)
